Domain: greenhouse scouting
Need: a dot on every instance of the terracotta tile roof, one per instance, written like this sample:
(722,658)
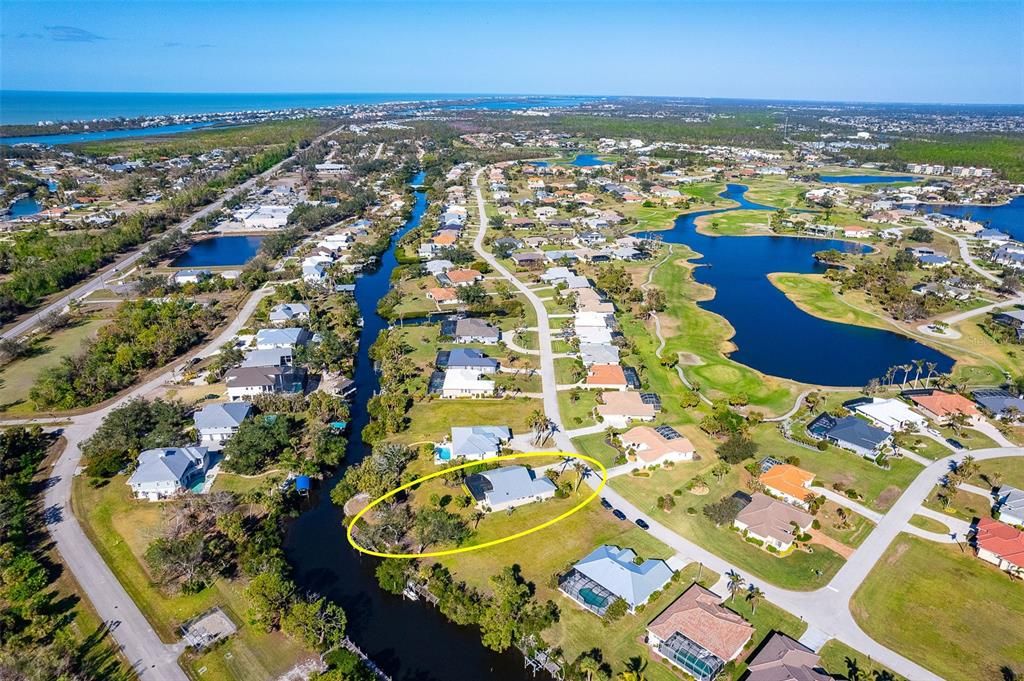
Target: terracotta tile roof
(625,404)
(944,404)
(788,479)
(442,295)
(1001,539)
(768,517)
(651,446)
(606,374)
(462,276)
(445,239)
(783,659)
(698,616)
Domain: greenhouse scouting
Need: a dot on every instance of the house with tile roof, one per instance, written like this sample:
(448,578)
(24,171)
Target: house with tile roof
(443,296)
(780,658)
(609,573)
(619,408)
(606,377)
(772,521)
(697,634)
(941,405)
(657,445)
(1001,545)
(789,483)
(460,277)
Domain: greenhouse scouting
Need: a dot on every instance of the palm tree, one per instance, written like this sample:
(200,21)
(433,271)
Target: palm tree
(477,517)
(919,365)
(932,366)
(634,670)
(537,422)
(589,666)
(582,470)
(736,583)
(754,595)
(957,421)
(889,374)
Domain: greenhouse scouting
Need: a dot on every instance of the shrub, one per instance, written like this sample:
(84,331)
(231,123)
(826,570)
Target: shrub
(772,549)
(822,445)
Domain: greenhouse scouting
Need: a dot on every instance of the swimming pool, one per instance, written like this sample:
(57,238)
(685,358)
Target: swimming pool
(442,453)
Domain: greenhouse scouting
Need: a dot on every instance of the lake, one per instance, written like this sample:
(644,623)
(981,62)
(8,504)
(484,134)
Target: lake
(586,160)
(773,335)
(24,207)
(409,640)
(220,251)
(1008,217)
(866,179)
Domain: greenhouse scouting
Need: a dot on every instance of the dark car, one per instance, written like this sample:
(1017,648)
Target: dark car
(955,444)
(607,504)
(619,514)
(642,524)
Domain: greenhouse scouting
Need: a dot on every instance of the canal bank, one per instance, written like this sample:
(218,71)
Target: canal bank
(408,640)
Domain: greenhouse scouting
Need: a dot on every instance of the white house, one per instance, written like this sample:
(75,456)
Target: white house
(504,488)
(283,338)
(163,473)
(891,414)
(289,312)
(216,423)
(466,383)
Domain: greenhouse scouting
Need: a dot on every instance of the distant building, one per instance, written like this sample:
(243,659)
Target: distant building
(289,312)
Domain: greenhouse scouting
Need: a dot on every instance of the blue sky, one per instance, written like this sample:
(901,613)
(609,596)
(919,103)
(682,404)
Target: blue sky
(884,50)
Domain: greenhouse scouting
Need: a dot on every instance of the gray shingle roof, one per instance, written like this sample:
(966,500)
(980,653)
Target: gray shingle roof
(222,415)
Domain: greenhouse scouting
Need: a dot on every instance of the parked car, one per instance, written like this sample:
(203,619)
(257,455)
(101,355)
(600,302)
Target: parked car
(955,444)
(607,504)
(619,514)
(642,524)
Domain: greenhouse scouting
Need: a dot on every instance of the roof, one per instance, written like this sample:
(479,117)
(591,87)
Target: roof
(944,404)
(442,295)
(464,357)
(890,412)
(471,326)
(653,443)
(619,403)
(287,336)
(606,374)
(267,358)
(509,483)
(783,659)
(288,311)
(466,379)
(599,353)
(222,415)
(788,479)
(768,517)
(168,464)
(464,276)
(997,400)
(1001,539)
(698,616)
(848,429)
(1011,500)
(470,441)
(614,569)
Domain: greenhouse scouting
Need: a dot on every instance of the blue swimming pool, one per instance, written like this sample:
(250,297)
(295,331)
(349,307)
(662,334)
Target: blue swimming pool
(443,453)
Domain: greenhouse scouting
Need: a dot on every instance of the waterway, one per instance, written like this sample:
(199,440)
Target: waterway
(1008,217)
(410,641)
(100,135)
(220,251)
(866,179)
(773,335)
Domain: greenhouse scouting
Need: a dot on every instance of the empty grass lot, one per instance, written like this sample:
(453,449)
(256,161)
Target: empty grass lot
(945,609)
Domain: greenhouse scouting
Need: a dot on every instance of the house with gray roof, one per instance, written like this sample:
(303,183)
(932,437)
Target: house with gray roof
(287,337)
(472,330)
(608,573)
(780,658)
(850,432)
(289,312)
(599,353)
(504,488)
(280,357)
(244,382)
(1010,504)
(436,267)
(216,423)
(478,442)
(166,472)
(466,358)
(1000,403)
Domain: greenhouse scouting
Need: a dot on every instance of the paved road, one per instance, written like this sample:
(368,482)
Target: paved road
(99,280)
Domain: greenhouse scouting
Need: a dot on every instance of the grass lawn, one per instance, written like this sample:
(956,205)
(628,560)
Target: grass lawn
(1010,470)
(595,445)
(564,367)
(964,505)
(930,524)
(879,487)
(17,378)
(735,223)
(121,529)
(840,661)
(766,619)
(798,570)
(969,438)
(855,531)
(946,610)
(432,420)
(816,296)
(577,414)
(925,446)
(230,482)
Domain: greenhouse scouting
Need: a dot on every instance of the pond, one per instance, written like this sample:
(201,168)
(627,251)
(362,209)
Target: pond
(587,160)
(220,251)
(866,179)
(24,207)
(773,335)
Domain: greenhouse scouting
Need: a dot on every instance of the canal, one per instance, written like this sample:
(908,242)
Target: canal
(773,335)
(410,641)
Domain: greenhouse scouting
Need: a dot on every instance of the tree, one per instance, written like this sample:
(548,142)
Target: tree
(317,622)
(436,525)
(472,294)
(754,595)
(511,613)
(723,511)
(269,594)
(132,428)
(736,583)
(736,449)
(259,442)
(393,575)
(615,611)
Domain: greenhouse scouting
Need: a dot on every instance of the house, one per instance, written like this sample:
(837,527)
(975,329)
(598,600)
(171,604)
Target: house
(190,276)
(856,232)
(289,312)
(216,423)
(772,521)
(466,358)
(1001,545)
(788,482)
(557,275)
(478,442)
(657,445)
(443,296)
(243,382)
(850,432)
(780,658)
(606,377)
(619,408)
(472,330)
(267,217)
(1013,319)
(466,383)
(589,300)
(609,573)
(1010,504)
(940,405)
(697,634)
(504,488)
(163,473)
(528,259)
(281,357)
(436,267)
(891,414)
(598,353)
(1000,403)
(460,277)
(314,272)
(284,338)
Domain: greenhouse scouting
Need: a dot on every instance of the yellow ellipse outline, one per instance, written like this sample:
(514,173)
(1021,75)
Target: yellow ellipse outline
(494,542)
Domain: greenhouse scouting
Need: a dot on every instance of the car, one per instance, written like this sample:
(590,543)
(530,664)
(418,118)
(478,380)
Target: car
(642,524)
(619,514)
(955,444)
(607,504)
